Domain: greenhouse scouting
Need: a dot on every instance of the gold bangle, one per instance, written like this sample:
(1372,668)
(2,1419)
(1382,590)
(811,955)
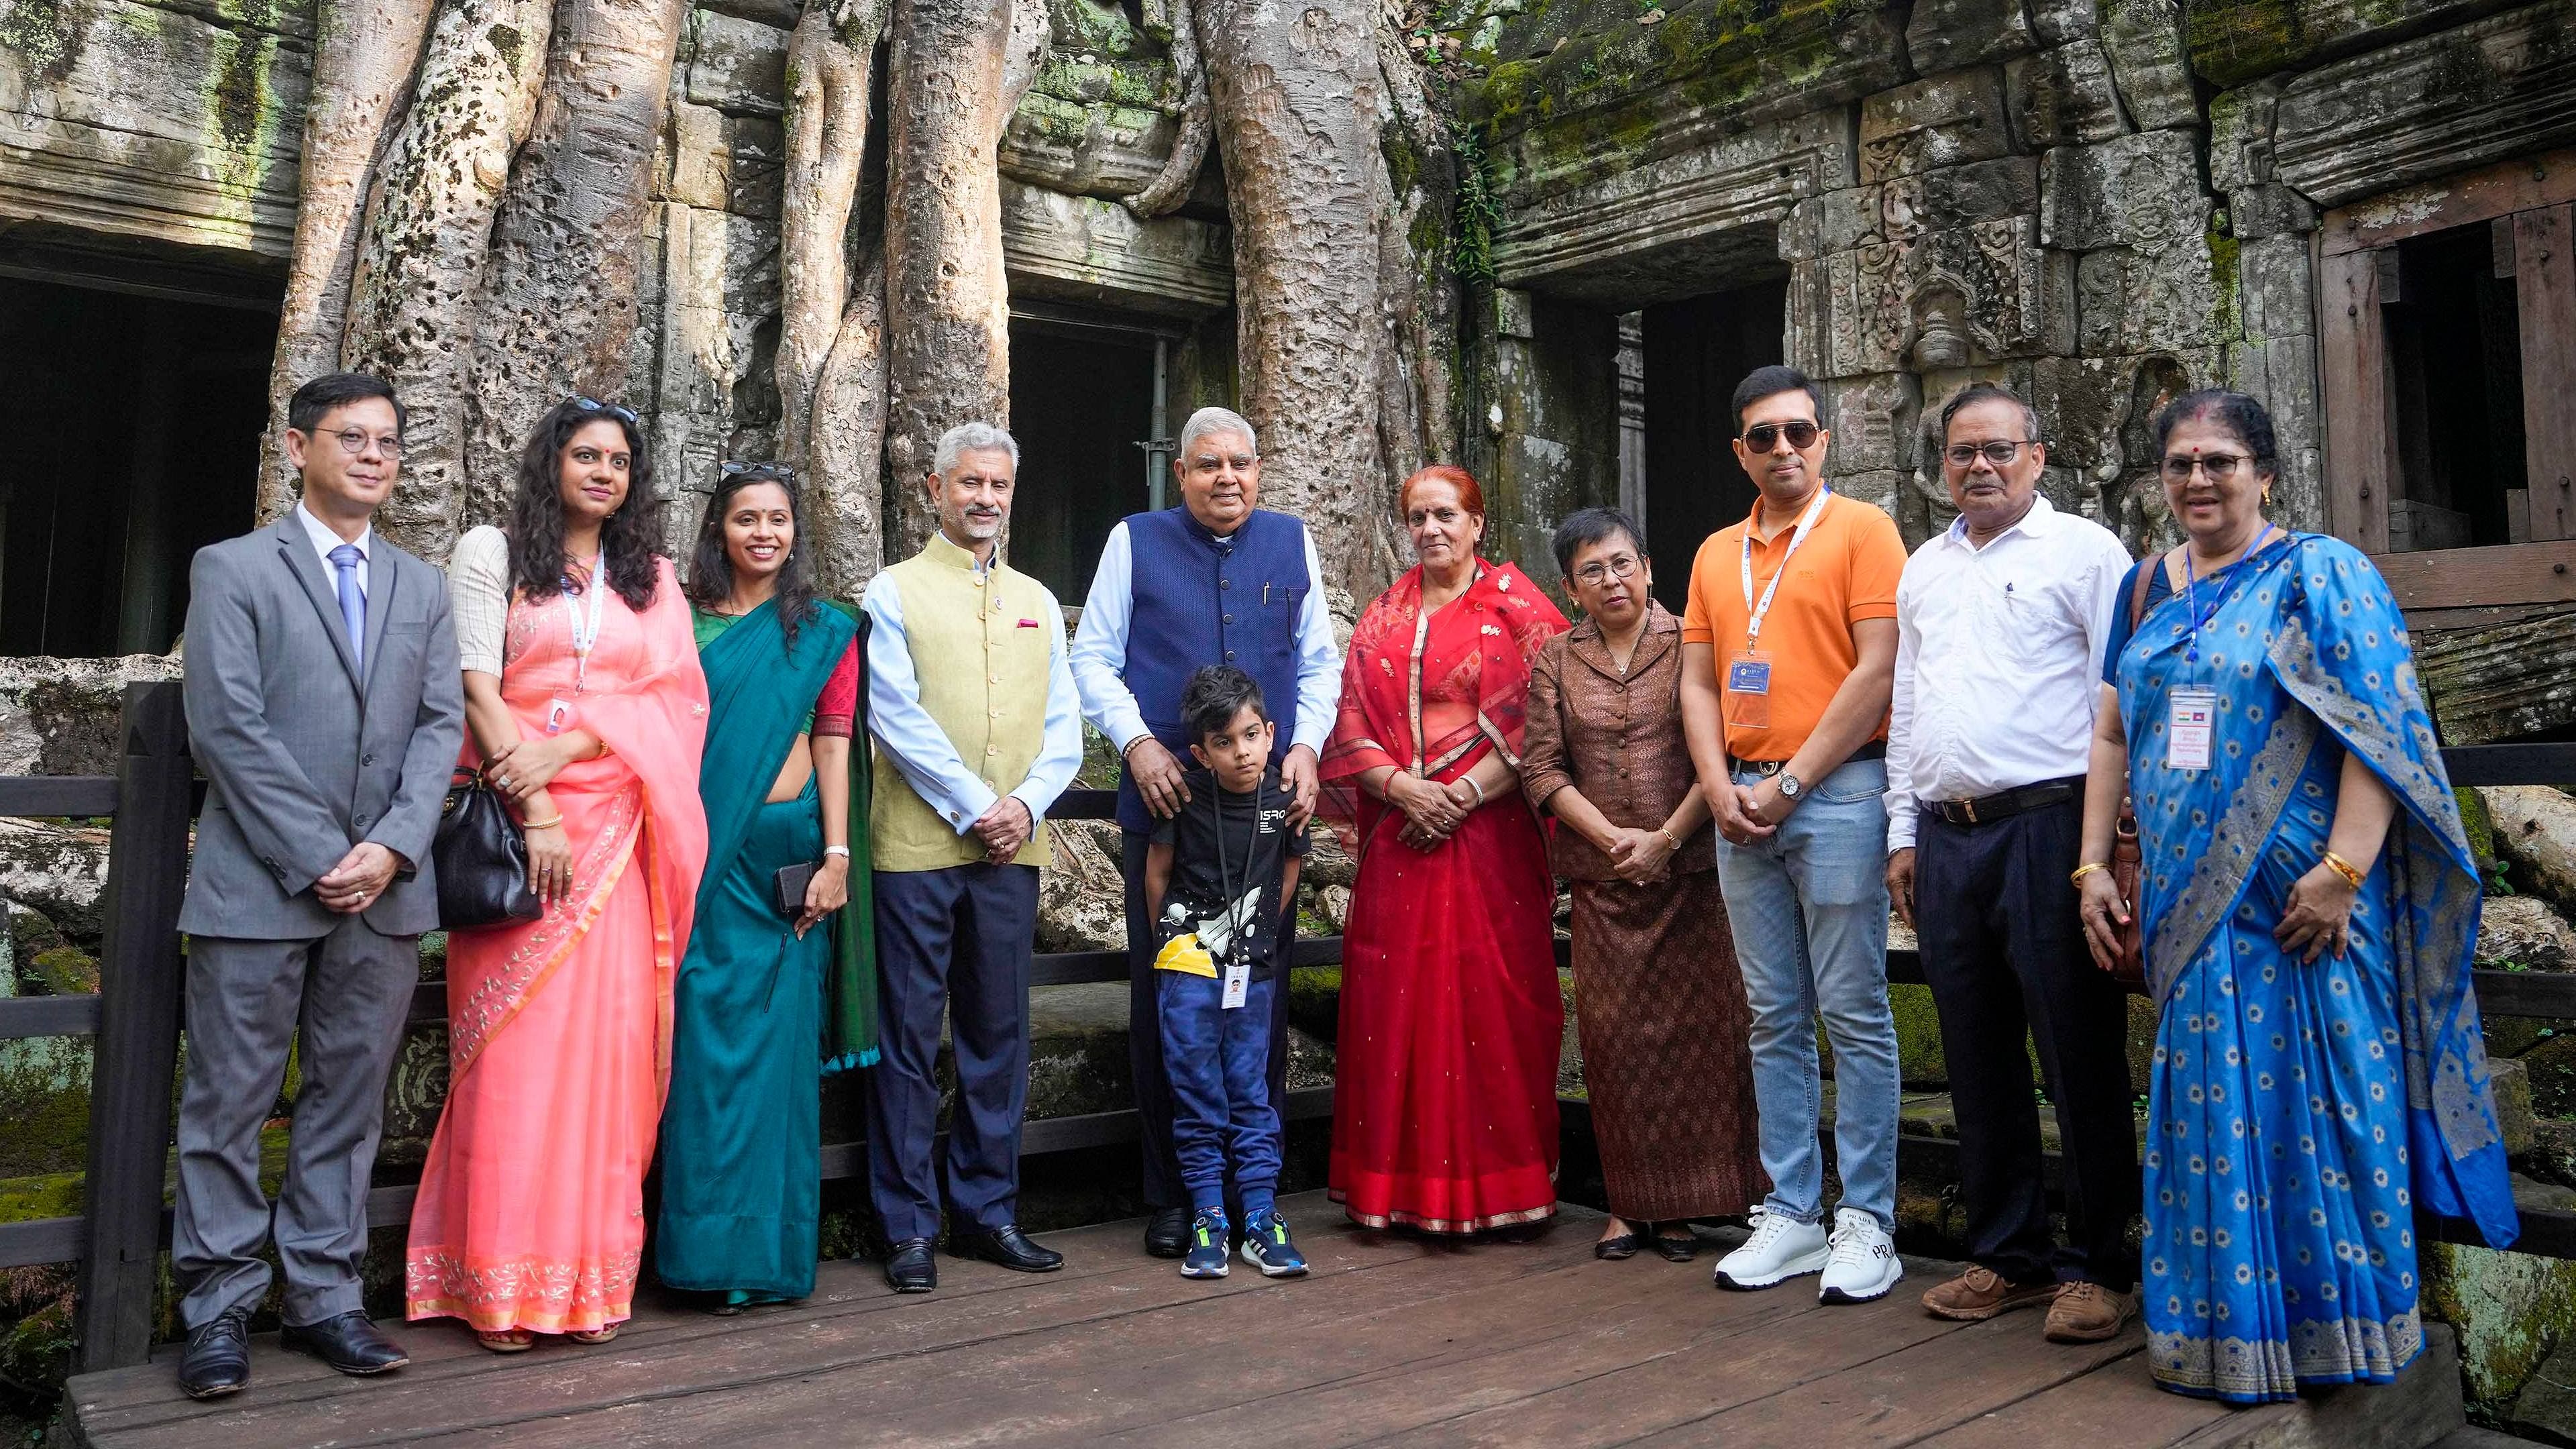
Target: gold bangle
(2352,874)
(548,823)
(2076,876)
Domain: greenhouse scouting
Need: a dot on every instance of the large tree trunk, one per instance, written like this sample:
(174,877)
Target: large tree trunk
(1171,186)
(428,235)
(847,442)
(363,56)
(559,307)
(1300,106)
(1419,293)
(828,60)
(956,69)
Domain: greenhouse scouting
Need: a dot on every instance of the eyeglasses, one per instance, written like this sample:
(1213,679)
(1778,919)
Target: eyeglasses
(1624,566)
(779,471)
(2000,452)
(354,441)
(1762,437)
(2219,466)
(619,411)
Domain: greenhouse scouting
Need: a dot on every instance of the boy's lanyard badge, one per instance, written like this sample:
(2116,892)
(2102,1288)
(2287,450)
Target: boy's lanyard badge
(582,613)
(1238,962)
(2191,718)
(1748,674)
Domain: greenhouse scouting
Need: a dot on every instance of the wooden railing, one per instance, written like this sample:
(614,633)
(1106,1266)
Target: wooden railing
(134,1019)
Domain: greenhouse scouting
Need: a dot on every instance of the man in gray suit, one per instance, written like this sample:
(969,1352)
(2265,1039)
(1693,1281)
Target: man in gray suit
(326,708)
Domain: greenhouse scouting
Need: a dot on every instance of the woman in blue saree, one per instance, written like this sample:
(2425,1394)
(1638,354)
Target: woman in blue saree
(766,1002)
(2310,904)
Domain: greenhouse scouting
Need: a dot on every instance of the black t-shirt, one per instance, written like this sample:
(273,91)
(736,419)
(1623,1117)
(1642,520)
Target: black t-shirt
(1227,847)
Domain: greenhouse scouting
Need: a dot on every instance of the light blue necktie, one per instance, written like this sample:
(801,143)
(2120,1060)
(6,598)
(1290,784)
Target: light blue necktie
(353,600)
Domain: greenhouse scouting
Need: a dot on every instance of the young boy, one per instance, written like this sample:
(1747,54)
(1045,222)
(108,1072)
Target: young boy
(1215,878)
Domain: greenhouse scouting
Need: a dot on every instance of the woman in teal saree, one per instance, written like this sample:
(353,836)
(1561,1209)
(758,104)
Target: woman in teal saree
(2310,904)
(766,1003)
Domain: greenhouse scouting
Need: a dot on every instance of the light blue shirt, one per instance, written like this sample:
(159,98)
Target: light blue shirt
(1100,652)
(921,750)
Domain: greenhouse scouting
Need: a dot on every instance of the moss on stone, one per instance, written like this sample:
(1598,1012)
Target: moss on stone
(1315,1001)
(2234,41)
(1087,25)
(2225,257)
(63,971)
(36,31)
(2480,827)
(1063,122)
(44,1097)
(2510,1310)
(1090,80)
(46,1195)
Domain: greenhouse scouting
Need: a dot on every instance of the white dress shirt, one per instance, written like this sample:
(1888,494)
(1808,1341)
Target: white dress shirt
(1100,652)
(324,540)
(922,751)
(1998,660)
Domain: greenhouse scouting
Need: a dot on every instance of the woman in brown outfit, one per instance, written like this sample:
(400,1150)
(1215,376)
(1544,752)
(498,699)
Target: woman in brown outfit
(1658,999)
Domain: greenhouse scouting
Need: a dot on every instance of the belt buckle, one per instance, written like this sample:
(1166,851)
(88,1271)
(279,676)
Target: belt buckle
(1969,808)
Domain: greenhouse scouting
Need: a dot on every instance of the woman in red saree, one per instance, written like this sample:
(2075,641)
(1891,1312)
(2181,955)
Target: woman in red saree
(586,707)
(1444,1101)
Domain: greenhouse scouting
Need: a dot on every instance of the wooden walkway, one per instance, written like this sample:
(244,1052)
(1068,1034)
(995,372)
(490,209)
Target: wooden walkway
(1390,1340)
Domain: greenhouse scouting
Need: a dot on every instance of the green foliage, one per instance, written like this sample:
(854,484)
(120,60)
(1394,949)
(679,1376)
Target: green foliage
(1480,211)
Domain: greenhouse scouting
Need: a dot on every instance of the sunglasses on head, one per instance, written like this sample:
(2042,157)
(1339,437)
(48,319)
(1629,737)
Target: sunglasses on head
(756,471)
(619,411)
(1763,437)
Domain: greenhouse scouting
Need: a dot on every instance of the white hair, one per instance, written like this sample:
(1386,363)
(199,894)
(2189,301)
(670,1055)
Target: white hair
(972,438)
(1211,422)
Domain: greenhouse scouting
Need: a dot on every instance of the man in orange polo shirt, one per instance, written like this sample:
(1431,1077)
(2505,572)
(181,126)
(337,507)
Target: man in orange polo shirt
(1788,656)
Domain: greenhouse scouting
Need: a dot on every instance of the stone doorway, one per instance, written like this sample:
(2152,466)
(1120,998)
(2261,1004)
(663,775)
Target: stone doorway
(130,427)
(1691,354)
(1086,401)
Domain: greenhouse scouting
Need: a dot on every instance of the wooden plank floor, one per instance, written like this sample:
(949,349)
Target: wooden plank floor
(1391,1340)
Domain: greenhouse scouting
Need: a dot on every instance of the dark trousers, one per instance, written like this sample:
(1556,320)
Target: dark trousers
(1222,1112)
(1163,1184)
(2005,956)
(956,940)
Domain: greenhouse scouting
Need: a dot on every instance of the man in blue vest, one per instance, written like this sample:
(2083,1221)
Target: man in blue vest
(1214,581)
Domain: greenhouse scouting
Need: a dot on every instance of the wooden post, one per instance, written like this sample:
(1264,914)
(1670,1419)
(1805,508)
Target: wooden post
(137,1046)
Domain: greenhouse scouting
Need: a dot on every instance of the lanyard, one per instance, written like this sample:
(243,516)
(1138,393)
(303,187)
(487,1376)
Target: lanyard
(1815,510)
(2191,584)
(583,611)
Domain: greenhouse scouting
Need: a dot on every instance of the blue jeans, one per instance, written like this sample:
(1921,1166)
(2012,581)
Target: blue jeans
(1219,1062)
(1809,911)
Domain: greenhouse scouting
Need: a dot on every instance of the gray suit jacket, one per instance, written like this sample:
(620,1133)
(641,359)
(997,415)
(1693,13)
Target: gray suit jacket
(306,756)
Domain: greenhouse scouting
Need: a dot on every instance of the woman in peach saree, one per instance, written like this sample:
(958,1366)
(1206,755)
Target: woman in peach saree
(587,710)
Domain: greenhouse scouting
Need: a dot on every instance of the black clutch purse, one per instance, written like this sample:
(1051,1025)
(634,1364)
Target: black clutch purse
(481,859)
(792,881)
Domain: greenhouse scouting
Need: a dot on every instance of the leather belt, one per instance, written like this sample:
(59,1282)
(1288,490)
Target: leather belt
(1869,750)
(1986,809)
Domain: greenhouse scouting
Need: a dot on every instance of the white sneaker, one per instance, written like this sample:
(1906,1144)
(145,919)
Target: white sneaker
(1780,1249)
(1862,1264)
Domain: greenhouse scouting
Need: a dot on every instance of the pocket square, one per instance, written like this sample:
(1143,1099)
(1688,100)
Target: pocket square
(1028,623)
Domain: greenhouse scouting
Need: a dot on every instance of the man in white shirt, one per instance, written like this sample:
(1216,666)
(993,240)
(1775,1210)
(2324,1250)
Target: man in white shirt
(2001,622)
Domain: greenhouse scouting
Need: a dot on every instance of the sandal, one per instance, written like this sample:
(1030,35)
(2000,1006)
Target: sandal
(507,1340)
(595,1335)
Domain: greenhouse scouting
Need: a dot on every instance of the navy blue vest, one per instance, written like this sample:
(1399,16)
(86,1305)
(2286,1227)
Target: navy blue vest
(1198,599)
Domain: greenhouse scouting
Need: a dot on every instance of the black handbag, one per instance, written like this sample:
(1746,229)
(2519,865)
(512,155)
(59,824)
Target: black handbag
(482,860)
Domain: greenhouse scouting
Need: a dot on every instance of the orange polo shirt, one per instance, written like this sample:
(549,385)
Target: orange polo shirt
(1845,572)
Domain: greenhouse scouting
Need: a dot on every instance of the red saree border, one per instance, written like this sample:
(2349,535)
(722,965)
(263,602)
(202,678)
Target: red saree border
(502,995)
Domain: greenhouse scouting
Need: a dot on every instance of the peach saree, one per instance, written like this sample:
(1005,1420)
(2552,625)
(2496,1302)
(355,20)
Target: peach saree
(530,1212)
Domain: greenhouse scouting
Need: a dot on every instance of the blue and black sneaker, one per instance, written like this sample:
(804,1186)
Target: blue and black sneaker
(1267,1246)
(1206,1255)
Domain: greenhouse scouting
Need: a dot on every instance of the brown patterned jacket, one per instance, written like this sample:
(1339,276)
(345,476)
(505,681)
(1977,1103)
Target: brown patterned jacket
(1617,739)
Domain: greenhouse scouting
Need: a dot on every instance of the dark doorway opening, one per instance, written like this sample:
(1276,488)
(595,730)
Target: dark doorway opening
(2455,358)
(1085,399)
(129,439)
(1694,353)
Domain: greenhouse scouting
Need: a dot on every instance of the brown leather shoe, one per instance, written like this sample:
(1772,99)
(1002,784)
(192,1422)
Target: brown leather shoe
(1980,1293)
(2087,1313)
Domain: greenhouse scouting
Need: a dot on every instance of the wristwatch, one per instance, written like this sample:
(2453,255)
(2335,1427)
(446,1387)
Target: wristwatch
(1789,785)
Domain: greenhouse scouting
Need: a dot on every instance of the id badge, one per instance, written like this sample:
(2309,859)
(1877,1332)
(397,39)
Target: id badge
(1238,984)
(2191,725)
(558,715)
(1748,689)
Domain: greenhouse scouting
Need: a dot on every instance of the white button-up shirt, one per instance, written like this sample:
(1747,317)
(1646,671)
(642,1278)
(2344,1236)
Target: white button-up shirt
(1998,660)
(324,540)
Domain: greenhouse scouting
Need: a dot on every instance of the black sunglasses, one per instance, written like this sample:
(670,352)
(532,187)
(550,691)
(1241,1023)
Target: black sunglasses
(619,411)
(1761,437)
(780,471)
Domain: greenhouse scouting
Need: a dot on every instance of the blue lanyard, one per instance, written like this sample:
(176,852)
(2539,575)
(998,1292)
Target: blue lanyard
(2191,598)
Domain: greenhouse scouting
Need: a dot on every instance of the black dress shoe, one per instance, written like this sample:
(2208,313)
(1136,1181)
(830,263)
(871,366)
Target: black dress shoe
(348,1342)
(218,1358)
(1005,1245)
(1677,1250)
(1167,1233)
(910,1268)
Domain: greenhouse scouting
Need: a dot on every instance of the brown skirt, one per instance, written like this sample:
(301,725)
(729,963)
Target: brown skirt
(1667,1059)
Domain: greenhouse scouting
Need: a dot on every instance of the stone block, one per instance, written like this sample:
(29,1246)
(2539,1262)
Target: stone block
(1957,196)
(1948,299)
(2063,96)
(2149,298)
(2518,931)
(2144,38)
(2130,191)
(1833,222)
(1874,421)
(2508,1310)
(1947,34)
(2277,286)
(1944,120)
(2059,21)
(2234,41)
(737,65)
(1088,150)
(724,162)
(2535,830)
(2269,209)
(2240,135)
(2511,1086)
(2545,1410)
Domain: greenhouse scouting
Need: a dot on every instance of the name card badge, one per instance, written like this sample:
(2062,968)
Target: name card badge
(2190,727)
(1238,985)
(1748,687)
(558,714)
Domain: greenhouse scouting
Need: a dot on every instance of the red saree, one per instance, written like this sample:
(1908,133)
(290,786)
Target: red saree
(1444,1102)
